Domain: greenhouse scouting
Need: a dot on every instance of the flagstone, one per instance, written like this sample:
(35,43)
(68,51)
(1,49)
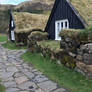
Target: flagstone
(47,86)
(20,76)
(21,80)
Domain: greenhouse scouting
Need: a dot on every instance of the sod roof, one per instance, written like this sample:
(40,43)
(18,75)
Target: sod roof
(84,7)
(25,22)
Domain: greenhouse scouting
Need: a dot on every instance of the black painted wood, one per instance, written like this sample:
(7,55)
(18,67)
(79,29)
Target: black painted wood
(10,25)
(63,10)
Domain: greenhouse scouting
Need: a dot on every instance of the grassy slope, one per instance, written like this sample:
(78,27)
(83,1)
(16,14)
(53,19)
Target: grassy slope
(64,76)
(3,37)
(4,20)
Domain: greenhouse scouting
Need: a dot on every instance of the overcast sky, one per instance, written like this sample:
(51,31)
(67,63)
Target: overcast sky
(15,2)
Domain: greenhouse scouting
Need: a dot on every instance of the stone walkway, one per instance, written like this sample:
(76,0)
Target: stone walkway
(19,76)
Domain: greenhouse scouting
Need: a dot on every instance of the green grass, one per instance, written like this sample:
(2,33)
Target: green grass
(12,46)
(66,77)
(2,88)
(51,44)
(3,37)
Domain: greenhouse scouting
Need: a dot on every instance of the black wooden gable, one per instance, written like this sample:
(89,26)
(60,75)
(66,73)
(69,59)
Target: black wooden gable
(63,9)
(11,19)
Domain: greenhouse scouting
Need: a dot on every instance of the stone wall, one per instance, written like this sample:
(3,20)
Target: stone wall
(78,47)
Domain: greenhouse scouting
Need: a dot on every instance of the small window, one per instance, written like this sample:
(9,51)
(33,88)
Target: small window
(66,24)
(62,24)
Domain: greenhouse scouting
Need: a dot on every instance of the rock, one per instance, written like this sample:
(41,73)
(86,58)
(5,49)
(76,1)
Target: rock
(18,74)
(21,80)
(29,86)
(12,69)
(40,78)
(10,84)
(84,69)
(47,86)
(29,75)
(58,62)
(12,90)
(39,90)
(72,54)
(79,57)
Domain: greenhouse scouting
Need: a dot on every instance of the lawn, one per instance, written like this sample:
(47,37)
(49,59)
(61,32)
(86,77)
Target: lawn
(66,77)
(2,88)
(12,46)
(3,37)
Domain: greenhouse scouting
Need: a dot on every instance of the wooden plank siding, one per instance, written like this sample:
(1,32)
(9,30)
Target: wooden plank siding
(61,11)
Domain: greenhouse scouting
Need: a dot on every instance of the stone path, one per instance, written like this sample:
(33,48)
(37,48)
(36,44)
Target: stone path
(19,76)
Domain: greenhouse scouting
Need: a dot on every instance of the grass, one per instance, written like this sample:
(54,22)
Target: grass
(4,20)
(3,37)
(51,44)
(66,77)
(84,7)
(2,88)
(12,46)
(23,20)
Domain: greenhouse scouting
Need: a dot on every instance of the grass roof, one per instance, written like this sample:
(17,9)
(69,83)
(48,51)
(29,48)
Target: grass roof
(84,7)
(25,22)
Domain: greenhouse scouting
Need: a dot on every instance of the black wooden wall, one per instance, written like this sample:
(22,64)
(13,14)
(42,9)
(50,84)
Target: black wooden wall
(61,11)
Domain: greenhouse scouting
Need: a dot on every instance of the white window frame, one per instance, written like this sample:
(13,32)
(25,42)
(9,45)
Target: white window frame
(60,21)
(12,23)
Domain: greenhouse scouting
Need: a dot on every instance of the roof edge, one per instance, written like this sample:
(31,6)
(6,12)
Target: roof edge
(77,13)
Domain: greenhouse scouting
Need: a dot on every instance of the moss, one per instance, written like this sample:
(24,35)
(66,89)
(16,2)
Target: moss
(38,34)
(68,61)
(73,33)
(53,45)
(25,21)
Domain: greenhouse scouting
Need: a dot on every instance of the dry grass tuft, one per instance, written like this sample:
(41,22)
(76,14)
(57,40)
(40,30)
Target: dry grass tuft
(84,7)
(25,22)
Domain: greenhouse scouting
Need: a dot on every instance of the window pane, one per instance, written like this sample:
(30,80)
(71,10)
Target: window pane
(66,24)
(62,24)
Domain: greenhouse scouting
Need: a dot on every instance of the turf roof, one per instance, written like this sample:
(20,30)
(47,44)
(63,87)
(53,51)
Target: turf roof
(84,7)
(25,22)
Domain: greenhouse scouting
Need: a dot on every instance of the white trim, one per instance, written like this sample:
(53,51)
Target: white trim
(12,35)
(12,23)
(60,27)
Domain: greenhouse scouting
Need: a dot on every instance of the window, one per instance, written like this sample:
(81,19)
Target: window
(59,25)
(62,24)
(66,24)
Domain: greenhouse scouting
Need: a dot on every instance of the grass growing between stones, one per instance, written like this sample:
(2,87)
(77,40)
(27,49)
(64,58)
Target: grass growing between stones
(66,77)
(3,37)
(13,46)
(2,88)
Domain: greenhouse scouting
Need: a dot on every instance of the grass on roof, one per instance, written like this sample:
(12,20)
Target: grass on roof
(84,7)
(24,20)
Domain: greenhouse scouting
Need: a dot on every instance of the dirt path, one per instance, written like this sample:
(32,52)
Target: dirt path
(19,76)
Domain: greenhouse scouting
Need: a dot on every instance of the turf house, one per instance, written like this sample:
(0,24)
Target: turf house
(73,14)
(26,23)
